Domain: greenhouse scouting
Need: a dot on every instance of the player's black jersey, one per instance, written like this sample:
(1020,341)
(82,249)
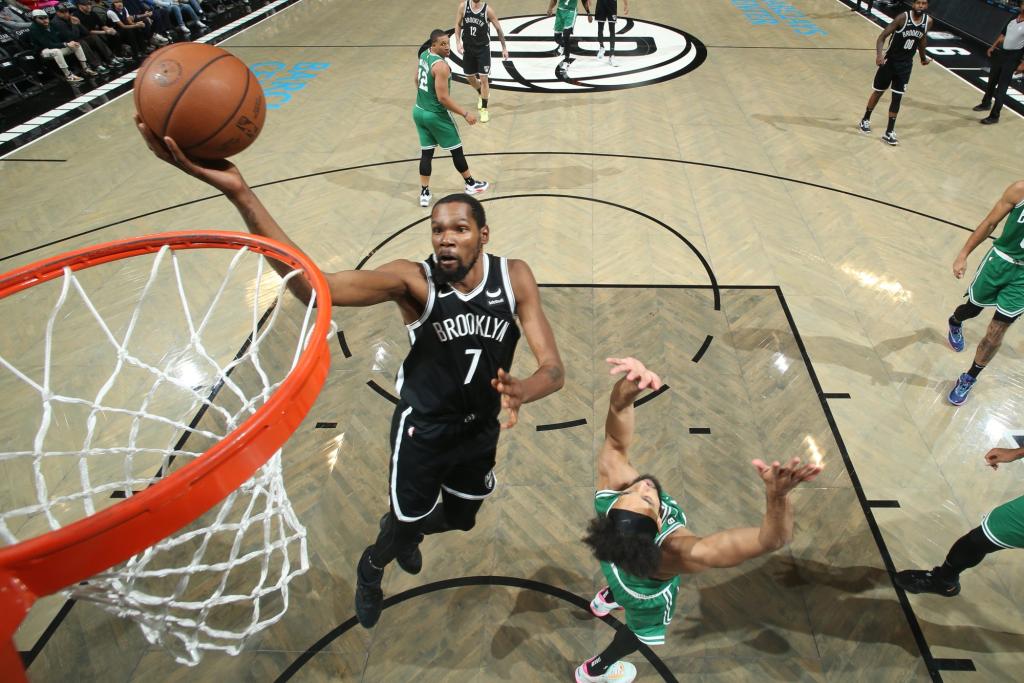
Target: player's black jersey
(475,31)
(903,43)
(458,345)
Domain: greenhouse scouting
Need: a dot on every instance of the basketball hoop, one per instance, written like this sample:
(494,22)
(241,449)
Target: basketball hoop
(126,552)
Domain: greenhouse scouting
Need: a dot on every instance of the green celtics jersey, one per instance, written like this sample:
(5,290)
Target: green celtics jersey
(567,5)
(1011,242)
(426,96)
(624,585)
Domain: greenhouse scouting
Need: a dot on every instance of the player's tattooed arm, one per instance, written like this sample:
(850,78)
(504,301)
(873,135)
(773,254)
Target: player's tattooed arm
(493,17)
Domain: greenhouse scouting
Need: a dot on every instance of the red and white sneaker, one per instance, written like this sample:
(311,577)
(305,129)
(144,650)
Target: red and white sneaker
(619,672)
(601,605)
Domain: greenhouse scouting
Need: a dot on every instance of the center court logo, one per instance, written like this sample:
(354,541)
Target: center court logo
(645,53)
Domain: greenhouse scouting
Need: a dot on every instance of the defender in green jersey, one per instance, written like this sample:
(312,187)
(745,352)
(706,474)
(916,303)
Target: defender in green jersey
(432,114)
(640,535)
(999,283)
(565,19)
(999,529)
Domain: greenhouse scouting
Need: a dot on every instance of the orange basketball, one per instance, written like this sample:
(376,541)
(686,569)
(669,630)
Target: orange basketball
(203,97)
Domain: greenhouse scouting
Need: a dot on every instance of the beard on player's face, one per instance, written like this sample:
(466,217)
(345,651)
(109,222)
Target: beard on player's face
(451,267)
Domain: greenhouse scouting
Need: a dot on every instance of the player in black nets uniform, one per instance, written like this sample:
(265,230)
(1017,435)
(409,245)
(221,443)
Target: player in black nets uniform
(607,13)
(460,307)
(909,34)
(473,41)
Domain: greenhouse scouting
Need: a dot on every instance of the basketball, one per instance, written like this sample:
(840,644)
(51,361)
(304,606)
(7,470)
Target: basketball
(203,97)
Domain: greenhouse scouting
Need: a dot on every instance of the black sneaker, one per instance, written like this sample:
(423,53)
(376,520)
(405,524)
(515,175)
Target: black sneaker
(989,120)
(410,560)
(921,581)
(369,596)
(890,139)
(981,107)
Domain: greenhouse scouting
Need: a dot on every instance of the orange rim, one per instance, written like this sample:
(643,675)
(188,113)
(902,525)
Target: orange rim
(45,564)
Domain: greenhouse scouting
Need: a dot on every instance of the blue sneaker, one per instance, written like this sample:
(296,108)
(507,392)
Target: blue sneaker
(962,388)
(956,337)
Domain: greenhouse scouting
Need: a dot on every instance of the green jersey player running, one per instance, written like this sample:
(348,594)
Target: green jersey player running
(998,283)
(433,115)
(640,535)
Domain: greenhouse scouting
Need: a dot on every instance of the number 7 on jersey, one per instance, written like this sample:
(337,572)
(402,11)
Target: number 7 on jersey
(475,353)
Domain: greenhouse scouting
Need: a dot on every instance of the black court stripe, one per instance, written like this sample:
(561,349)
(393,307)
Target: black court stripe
(325,425)
(39,161)
(955,664)
(461,582)
(343,344)
(703,349)
(700,430)
(876,533)
(651,396)
(836,395)
(317,174)
(882,503)
(384,393)
(562,425)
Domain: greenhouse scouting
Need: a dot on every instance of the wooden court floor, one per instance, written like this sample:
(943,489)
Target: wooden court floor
(737,201)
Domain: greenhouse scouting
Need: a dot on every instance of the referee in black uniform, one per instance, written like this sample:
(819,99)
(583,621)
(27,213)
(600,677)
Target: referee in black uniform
(1007,55)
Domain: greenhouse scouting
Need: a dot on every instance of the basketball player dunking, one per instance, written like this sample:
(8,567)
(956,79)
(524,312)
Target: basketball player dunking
(460,307)
(640,535)
(909,34)
(473,34)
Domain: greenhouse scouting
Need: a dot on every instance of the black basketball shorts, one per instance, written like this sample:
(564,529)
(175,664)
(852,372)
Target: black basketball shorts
(476,60)
(893,74)
(607,10)
(429,457)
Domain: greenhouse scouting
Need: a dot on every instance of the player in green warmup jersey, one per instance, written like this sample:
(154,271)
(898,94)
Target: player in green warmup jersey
(998,283)
(1001,528)
(433,116)
(640,535)
(565,19)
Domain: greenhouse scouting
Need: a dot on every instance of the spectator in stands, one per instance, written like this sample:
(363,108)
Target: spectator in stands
(66,13)
(96,24)
(45,39)
(179,14)
(154,16)
(75,33)
(1007,54)
(160,17)
(12,20)
(197,8)
(131,30)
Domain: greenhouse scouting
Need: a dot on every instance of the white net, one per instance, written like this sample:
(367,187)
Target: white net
(139,368)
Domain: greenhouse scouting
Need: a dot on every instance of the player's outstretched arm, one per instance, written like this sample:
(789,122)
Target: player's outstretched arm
(998,456)
(685,553)
(391,282)
(613,468)
(1013,194)
(550,374)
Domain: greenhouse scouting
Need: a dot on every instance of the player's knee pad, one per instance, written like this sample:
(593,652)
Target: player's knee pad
(894,106)
(426,157)
(1003,318)
(459,159)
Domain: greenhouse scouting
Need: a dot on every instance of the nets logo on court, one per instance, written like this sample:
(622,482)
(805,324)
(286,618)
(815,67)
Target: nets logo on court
(645,53)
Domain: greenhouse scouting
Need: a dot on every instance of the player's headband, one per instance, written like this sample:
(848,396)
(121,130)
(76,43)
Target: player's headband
(633,523)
